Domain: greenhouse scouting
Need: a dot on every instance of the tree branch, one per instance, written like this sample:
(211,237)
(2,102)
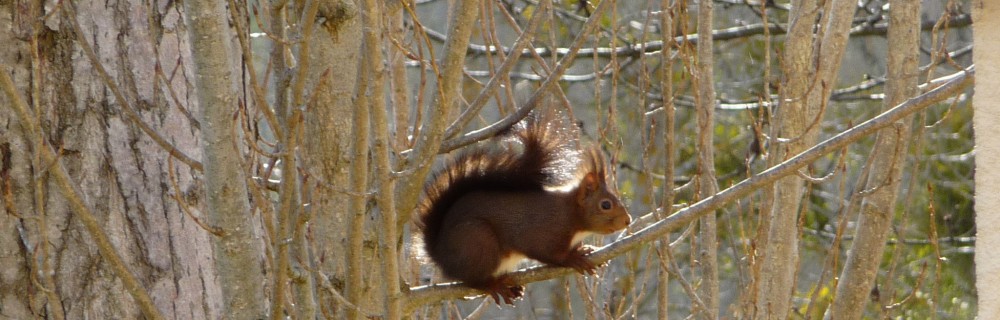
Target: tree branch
(956,82)
(550,81)
(225,190)
(523,40)
(731,33)
(428,142)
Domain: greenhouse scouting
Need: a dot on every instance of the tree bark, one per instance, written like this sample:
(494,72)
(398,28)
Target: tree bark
(130,183)
(326,144)
(238,251)
(708,248)
(810,77)
(987,105)
(884,177)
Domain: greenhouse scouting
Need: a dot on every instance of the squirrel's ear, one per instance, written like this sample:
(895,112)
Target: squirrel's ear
(588,185)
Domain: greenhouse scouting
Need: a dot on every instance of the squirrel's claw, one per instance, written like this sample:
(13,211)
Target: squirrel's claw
(578,260)
(508,294)
(505,288)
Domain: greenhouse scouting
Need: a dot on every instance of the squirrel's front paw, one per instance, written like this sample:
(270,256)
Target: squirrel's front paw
(578,260)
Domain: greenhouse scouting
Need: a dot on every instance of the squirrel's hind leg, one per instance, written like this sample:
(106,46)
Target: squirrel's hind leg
(470,251)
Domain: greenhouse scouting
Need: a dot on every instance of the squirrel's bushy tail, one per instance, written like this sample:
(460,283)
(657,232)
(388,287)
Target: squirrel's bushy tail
(545,147)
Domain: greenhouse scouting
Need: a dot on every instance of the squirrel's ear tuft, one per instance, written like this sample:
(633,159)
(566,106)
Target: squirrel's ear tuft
(593,181)
(589,184)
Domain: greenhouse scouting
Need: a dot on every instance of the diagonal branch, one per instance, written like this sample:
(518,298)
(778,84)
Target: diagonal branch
(955,84)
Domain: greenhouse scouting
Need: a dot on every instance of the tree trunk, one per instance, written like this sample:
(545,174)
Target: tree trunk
(810,77)
(126,178)
(708,247)
(885,172)
(986,14)
(327,143)
(780,247)
(238,250)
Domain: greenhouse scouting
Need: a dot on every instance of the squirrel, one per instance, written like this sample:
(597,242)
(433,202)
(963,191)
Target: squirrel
(489,208)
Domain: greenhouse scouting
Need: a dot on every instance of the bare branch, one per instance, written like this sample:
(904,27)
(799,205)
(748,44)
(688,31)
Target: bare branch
(422,295)
(550,81)
(731,33)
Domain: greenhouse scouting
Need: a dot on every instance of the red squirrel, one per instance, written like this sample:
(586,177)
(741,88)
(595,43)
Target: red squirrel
(491,207)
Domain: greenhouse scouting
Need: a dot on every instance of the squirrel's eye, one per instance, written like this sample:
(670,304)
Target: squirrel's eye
(605,204)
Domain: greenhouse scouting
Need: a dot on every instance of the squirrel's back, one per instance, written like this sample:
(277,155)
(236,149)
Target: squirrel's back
(496,168)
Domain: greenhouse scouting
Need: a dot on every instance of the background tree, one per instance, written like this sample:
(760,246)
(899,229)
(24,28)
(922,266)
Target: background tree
(253,159)
(987,261)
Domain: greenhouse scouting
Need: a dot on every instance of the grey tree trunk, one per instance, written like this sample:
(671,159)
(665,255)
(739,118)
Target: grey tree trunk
(707,181)
(810,77)
(884,177)
(127,178)
(326,145)
(238,250)
(780,247)
(986,14)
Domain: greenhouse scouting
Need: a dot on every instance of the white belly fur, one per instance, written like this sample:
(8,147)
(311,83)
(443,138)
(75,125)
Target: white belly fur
(509,263)
(578,237)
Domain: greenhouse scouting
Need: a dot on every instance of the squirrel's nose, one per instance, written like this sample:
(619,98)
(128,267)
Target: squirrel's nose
(622,221)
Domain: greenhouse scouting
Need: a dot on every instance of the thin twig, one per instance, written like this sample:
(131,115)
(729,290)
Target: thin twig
(183,205)
(523,40)
(550,81)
